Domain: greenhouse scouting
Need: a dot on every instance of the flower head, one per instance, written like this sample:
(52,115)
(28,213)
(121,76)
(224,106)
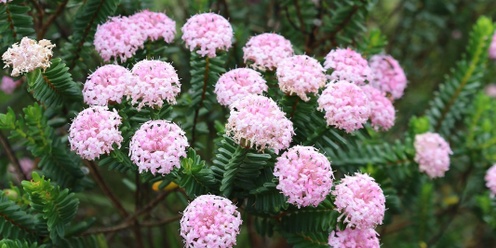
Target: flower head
(107,83)
(265,51)
(158,146)
(346,106)
(155,25)
(5,1)
(94,131)
(210,221)
(8,85)
(432,154)
(305,176)
(238,83)
(348,65)
(491,180)
(354,238)
(387,75)
(360,200)
(492,47)
(119,37)
(154,81)
(300,74)
(382,112)
(28,55)
(490,90)
(207,32)
(258,120)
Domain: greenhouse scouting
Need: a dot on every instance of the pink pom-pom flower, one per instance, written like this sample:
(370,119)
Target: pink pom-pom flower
(154,81)
(346,106)
(94,131)
(346,64)
(238,83)
(360,200)
(28,55)
(300,74)
(119,37)
(8,85)
(155,25)
(207,32)
(354,238)
(107,83)
(259,121)
(492,47)
(264,51)
(210,221)
(491,180)
(387,75)
(305,176)
(382,112)
(432,154)
(157,146)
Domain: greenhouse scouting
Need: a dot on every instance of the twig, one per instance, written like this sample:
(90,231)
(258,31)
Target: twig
(104,187)
(137,229)
(161,222)
(204,92)
(10,154)
(50,20)
(126,225)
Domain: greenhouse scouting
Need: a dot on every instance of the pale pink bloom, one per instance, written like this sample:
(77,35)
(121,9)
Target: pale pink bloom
(432,154)
(256,121)
(238,83)
(210,221)
(305,176)
(9,85)
(27,166)
(300,75)
(354,238)
(207,32)
(492,47)
(491,179)
(491,90)
(28,55)
(119,37)
(107,83)
(346,106)
(94,131)
(5,1)
(348,65)
(154,82)
(158,146)
(382,112)
(155,25)
(360,201)
(387,75)
(264,51)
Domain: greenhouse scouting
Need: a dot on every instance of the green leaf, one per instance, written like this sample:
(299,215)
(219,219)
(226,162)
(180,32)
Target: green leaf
(195,177)
(15,223)
(15,22)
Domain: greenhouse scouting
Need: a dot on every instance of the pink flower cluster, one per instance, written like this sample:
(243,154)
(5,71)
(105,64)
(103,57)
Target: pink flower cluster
(360,200)
(94,131)
(153,82)
(347,65)
(207,32)
(210,221)
(5,1)
(259,121)
(300,74)
(492,47)
(491,179)
(155,25)
(354,238)
(28,55)
(265,51)
(382,112)
(157,146)
(432,154)
(8,85)
(305,176)
(107,83)
(121,37)
(238,83)
(346,106)
(387,75)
